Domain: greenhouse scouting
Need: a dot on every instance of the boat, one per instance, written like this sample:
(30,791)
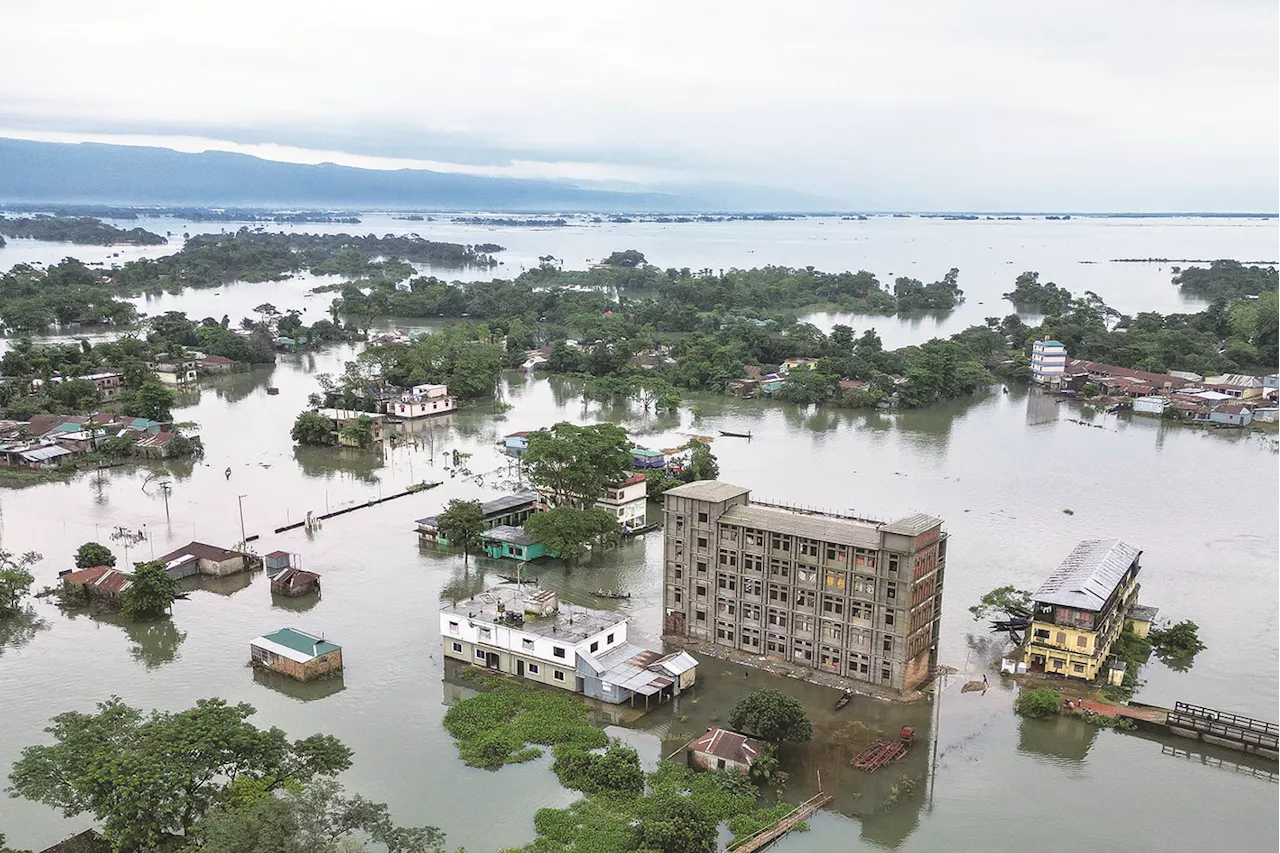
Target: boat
(273,390)
(600,593)
(509,579)
(727,434)
(844,700)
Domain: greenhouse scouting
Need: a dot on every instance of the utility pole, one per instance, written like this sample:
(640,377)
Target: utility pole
(941,681)
(165,488)
(243,541)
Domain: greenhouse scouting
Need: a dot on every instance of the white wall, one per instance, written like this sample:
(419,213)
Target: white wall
(513,639)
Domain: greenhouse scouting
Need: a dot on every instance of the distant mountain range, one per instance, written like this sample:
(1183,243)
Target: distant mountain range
(95,173)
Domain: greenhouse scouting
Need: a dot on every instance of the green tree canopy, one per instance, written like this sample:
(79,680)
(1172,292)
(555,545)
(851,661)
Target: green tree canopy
(462,522)
(771,716)
(312,428)
(626,258)
(149,778)
(359,432)
(702,462)
(15,580)
(151,592)
(672,823)
(1004,599)
(92,554)
(575,464)
(151,400)
(568,531)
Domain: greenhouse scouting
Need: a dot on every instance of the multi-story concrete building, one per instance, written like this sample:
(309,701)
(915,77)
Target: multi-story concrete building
(422,402)
(1081,609)
(1048,362)
(626,500)
(845,595)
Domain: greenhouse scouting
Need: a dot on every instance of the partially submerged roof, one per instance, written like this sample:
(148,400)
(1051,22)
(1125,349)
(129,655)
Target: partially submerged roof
(645,452)
(728,745)
(507,533)
(569,623)
(708,490)
(200,551)
(296,577)
(295,645)
(1089,574)
(495,507)
(1144,613)
(44,454)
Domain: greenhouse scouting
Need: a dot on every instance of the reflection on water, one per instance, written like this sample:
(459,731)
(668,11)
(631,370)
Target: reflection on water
(225,585)
(303,691)
(1060,738)
(152,643)
(17,630)
(295,603)
(342,463)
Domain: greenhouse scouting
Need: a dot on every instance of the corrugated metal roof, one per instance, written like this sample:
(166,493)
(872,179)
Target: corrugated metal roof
(1089,574)
(497,506)
(912,525)
(844,531)
(295,645)
(507,533)
(708,490)
(728,745)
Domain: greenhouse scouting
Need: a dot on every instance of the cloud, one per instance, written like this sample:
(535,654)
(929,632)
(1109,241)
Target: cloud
(934,104)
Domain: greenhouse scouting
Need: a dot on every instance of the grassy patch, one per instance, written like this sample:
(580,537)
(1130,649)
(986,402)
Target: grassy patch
(497,727)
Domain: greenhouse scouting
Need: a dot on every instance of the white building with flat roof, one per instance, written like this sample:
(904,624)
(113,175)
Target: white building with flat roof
(1048,362)
(423,401)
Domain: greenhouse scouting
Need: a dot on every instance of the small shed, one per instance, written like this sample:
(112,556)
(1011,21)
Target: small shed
(643,457)
(516,442)
(276,561)
(295,582)
(296,654)
(719,749)
(1140,619)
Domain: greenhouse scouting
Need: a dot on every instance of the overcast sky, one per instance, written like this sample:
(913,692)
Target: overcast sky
(1141,105)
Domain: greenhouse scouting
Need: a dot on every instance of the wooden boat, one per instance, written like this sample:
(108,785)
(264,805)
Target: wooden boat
(510,579)
(600,593)
(273,390)
(728,434)
(844,700)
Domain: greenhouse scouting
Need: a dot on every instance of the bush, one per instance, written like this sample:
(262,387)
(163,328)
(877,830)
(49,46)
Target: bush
(617,770)
(1040,703)
(772,716)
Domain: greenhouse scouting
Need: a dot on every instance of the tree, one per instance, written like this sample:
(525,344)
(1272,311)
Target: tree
(461,523)
(359,432)
(92,554)
(1013,603)
(15,580)
(3,847)
(1043,702)
(152,400)
(568,531)
(315,818)
(1177,645)
(771,716)
(702,462)
(312,428)
(146,778)
(627,258)
(151,592)
(575,464)
(672,823)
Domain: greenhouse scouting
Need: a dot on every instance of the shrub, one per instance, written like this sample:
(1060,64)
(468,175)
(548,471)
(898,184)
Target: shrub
(1043,702)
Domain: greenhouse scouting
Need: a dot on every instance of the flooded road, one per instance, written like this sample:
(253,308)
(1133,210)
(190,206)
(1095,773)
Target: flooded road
(1000,469)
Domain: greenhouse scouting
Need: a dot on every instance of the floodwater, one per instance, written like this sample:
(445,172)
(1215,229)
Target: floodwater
(999,468)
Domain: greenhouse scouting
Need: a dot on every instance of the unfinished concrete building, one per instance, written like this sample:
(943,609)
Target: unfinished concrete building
(839,594)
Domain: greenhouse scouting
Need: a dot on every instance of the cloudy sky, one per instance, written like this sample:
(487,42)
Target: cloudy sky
(1144,105)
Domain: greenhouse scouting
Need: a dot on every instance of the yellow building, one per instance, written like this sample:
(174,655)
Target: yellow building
(1081,609)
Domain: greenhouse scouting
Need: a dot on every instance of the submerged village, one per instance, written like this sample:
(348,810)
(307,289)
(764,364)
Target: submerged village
(824,624)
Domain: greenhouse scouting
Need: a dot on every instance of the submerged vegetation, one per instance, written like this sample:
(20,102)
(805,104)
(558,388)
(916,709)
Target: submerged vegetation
(506,723)
(77,229)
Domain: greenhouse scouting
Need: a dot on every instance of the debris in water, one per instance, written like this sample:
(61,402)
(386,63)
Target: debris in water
(1069,511)
(972,686)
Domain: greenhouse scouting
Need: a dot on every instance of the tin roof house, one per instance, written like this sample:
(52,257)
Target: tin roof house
(296,654)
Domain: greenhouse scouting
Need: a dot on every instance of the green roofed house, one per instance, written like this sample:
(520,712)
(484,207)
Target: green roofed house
(296,654)
(507,541)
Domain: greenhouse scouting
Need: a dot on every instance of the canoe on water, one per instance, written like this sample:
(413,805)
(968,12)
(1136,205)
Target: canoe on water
(728,434)
(843,700)
(616,595)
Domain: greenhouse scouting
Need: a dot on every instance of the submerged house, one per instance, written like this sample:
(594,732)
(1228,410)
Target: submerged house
(529,633)
(643,457)
(99,583)
(295,582)
(199,558)
(516,442)
(509,510)
(296,654)
(720,749)
(512,542)
(423,401)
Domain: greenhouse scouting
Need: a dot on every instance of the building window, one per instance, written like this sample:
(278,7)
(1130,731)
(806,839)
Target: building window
(608,640)
(724,632)
(775,645)
(780,542)
(751,611)
(728,558)
(702,567)
(863,557)
(702,518)
(485,633)
(891,591)
(779,568)
(864,586)
(888,618)
(533,668)
(888,645)
(805,598)
(886,674)
(527,645)
(700,590)
(1077,667)
(702,542)
(777,618)
(559,676)
(700,616)
(719,763)
(833,606)
(779,593)
(727,582)
(595,646)
(808,548)
(830,660)
(832,631)
(1082,641)
(752,587)
(453,627)
(679,595)
(479,654)
(801,625)
(751,638)
(1062,638)
(836,552)
(679,573)
(726,607)
(457,647)
(802,650)
(834,579)
(893,562)
(558,651)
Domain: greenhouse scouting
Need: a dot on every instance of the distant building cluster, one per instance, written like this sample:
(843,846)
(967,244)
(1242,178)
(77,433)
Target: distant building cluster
(47,442)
